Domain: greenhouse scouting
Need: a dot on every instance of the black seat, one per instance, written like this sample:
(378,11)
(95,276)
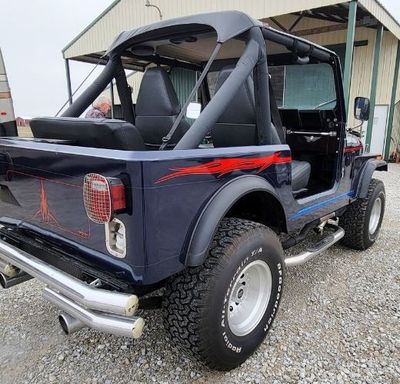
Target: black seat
(157,108)
(237,127)
(237,124)
(301,171)
(95,133)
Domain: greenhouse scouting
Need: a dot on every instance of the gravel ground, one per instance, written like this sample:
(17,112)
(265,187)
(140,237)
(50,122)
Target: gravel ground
(339,322)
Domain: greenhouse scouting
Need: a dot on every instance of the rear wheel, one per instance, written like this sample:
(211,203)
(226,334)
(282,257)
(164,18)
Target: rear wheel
(363,219)
(221,311)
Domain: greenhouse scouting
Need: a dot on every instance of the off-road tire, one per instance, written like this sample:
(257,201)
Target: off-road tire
(355,221)
(195,303)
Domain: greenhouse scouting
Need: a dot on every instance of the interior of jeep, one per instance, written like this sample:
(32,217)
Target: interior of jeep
(302,96)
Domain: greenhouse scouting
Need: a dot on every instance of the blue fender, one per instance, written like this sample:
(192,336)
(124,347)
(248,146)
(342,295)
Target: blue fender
(216,209)
(365,176)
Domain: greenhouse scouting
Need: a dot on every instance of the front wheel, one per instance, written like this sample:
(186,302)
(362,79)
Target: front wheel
(221,311)
(363,219)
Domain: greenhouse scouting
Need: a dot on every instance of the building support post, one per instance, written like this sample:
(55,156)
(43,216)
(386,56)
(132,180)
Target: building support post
(374,83)
(68,75)
(348,61)
(392,103)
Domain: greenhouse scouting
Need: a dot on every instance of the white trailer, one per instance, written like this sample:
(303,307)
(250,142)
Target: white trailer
(8,126)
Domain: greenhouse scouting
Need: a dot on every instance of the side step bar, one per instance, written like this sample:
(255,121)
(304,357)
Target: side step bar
(315,250)
(79,292)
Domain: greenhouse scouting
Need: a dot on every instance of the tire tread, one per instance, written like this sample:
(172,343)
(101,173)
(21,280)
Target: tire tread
(183,302)
(355,218)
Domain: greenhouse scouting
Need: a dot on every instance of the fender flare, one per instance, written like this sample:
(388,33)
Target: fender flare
(216,209)
(365,176)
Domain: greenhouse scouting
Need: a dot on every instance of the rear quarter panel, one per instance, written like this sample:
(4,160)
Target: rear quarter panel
(176,190)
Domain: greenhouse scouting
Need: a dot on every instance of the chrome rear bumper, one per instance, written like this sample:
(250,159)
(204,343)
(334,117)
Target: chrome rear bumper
(95,307)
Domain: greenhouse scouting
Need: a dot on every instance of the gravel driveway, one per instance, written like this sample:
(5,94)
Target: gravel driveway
(339,322)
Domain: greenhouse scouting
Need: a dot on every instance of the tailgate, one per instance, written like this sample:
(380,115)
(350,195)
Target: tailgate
(41,185)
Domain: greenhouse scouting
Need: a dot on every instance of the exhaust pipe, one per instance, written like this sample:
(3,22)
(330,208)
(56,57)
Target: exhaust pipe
(69,324)
(8,282)
(116,325)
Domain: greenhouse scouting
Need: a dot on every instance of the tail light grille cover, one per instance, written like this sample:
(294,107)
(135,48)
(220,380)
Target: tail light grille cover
(102,196)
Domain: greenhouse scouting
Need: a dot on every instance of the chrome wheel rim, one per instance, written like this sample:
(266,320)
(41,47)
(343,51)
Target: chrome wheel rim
(375,216)
(249,298)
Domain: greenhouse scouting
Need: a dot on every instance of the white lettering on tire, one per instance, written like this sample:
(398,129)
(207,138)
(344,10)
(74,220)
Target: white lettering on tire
(278,296)
(227,342)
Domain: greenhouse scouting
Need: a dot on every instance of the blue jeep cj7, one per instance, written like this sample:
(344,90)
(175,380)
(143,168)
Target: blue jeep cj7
(190,215)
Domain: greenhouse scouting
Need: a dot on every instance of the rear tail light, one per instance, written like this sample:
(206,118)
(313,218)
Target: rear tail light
(116,238)
(103,196)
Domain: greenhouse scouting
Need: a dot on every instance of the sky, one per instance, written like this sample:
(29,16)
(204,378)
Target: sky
(32,35)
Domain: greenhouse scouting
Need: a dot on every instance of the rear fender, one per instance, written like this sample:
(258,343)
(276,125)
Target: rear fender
(365,175)
(216,209)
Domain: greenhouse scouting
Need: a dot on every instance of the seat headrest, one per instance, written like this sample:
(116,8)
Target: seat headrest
(241,109)
(157,96)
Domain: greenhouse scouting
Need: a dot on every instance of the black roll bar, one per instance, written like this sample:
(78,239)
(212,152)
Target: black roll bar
(295,44)
(113,69)
(124,92)
(254,53)
(91,92)
(261,92)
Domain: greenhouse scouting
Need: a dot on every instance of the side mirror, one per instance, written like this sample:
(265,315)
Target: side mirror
(361,108)
(193,110)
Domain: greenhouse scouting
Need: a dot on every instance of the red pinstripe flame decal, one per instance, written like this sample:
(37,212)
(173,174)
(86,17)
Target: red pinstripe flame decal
(49,218)
(223,166)
(44,210)
(44,213)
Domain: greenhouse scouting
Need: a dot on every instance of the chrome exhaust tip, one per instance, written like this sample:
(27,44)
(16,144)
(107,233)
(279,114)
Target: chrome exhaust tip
(115,324)
(69,324)
(8,282)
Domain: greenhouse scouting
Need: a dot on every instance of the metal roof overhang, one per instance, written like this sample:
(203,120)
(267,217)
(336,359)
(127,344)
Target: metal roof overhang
(369,14)
(338,14)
